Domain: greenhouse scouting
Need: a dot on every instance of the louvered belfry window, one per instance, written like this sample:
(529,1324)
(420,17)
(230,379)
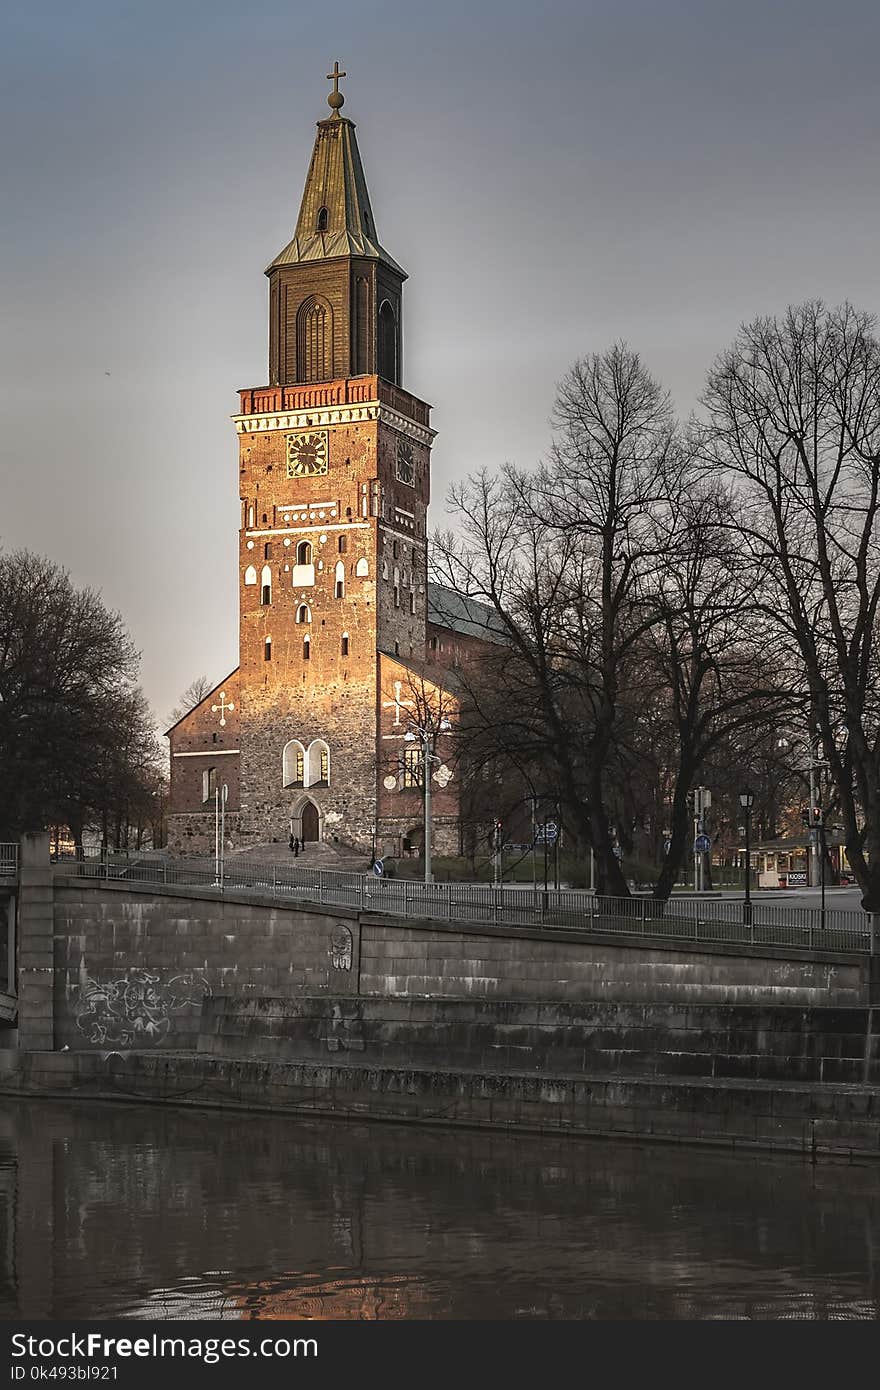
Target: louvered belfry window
(315,340)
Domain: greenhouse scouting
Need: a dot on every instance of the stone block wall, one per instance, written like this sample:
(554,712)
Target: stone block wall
(431,959)
(760,1042)
(132,970)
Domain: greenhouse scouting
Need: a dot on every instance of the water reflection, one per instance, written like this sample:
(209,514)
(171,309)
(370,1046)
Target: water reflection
(134,1211)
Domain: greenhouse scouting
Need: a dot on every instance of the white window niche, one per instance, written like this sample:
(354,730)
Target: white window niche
(301,576)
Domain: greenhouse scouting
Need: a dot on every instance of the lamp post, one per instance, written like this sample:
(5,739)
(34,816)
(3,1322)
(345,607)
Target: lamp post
(747,801)
(221,795)
(425,734)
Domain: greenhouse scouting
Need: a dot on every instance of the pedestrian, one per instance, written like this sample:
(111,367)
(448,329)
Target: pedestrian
(290,841)
(296,847)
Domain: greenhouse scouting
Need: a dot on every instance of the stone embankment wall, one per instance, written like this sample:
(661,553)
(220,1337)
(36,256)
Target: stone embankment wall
(133,969)
(647,1040)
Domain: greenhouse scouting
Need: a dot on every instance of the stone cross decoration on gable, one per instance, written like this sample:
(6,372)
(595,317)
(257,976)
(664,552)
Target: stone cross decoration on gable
(396,704)
(223,707)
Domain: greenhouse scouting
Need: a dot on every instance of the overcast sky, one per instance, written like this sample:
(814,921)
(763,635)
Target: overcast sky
(552,175)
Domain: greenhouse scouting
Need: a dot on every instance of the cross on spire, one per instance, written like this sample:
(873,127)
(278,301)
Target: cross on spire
(335,98)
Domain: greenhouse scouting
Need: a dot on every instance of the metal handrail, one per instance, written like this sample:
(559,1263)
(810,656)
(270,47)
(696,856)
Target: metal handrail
(8,858)
(565,909)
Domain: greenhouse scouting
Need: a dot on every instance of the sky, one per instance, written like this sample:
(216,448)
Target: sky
(554,177)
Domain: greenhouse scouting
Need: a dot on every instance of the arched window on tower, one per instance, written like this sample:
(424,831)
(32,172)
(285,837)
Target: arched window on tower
(267,649)
(344,644)
(293,762)
(323,219)
(304,613)
(314,340)
(250,575)
(342,545)
(340,580)
(266,584)
(362,568)
(304,553)
(318,764)
(307,648)
(387,342)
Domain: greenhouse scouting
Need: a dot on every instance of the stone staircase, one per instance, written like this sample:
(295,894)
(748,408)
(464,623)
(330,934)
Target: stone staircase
(316,855)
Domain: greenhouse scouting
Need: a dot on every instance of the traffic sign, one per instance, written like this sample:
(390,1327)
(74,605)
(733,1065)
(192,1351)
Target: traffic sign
(702,844)
(378,867)
(547,834)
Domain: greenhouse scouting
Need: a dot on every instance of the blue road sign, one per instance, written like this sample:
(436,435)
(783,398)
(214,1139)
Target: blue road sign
(378,867)
(702,844)
(548,833)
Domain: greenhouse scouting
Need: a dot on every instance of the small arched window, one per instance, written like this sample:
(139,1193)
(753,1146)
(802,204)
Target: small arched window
(307,648)
(304,553)
(266,585)
(362,568)
(343,545)
(340,580)
(293,762)
(250,575)
(345,644)
(323,219)
(267,649)
(318,764)
(250,516)
(304,613)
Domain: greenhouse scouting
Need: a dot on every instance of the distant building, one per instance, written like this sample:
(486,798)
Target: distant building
(343,643)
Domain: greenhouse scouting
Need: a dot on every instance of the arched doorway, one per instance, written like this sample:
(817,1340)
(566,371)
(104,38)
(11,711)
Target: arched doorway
(311,830)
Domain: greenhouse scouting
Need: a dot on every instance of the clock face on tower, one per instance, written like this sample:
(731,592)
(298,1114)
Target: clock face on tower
(406,469)
(307,454)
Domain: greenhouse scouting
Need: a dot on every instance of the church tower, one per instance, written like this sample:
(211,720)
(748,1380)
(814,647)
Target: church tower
(334,486)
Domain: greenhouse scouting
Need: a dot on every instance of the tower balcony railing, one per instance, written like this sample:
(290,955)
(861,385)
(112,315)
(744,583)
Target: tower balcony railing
(357,390)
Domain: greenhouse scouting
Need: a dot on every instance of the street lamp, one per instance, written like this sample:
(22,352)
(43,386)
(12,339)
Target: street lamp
(425,734)
(747,801)
(221,796)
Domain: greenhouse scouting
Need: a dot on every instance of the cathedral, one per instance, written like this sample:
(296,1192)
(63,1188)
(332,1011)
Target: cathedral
(344,695)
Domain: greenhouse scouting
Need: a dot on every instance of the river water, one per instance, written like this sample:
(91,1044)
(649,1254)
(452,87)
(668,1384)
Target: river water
(136,1211)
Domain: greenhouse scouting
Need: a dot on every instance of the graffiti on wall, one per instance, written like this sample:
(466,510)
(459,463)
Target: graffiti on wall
(136,1010)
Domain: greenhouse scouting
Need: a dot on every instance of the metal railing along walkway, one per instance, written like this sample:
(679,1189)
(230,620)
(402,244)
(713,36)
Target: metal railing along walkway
(8,858)
(708,921)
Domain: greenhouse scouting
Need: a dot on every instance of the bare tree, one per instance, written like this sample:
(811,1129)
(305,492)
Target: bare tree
(565,557)
(76,737)
(193,695)
(794,419)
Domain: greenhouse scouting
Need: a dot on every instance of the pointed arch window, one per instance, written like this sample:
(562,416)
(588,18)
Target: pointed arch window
(250,575)
(387,335)
(340,580)
(304,613)
(314,340)
(323,219)
(266,585)
(362,568)
(293,762)
(304,553)
(318,764)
